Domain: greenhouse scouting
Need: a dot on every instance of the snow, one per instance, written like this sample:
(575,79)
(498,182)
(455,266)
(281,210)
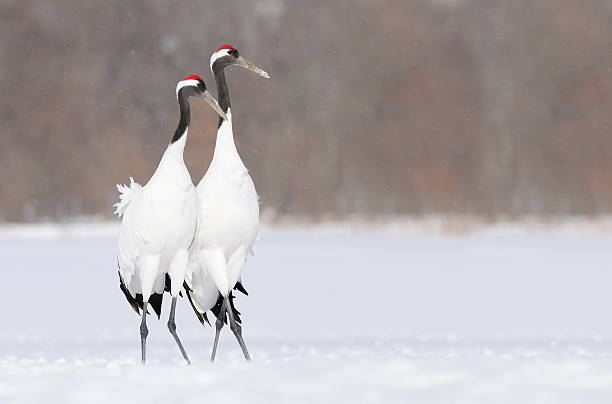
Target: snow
(334,315)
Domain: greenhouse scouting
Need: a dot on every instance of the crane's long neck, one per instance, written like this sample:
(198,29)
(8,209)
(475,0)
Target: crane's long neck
(183,125)
(172,166)
(222,91)
(226,155)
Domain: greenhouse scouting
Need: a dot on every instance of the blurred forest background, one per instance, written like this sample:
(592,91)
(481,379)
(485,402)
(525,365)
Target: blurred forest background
(374,107)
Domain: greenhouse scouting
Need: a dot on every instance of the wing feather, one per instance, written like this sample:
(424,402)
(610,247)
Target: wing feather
(133,208)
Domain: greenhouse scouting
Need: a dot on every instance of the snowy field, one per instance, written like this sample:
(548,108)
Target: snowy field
(499,315)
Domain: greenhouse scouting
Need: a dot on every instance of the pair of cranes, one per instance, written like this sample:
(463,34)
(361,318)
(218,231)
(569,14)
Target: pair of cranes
(174,235)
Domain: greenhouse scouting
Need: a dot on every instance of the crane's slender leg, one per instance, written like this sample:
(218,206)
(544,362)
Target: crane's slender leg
(172,328)
(237,330)
(144,331)
(219,326)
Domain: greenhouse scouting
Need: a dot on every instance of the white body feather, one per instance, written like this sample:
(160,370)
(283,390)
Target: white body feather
(228,222)
(158,226)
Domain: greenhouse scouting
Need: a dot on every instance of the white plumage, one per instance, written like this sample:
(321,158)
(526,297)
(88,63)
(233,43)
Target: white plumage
(228,212)
(159,222)
(158,226)
(228,218)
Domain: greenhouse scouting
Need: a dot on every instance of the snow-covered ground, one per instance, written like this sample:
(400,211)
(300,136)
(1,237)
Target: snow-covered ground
(334,315)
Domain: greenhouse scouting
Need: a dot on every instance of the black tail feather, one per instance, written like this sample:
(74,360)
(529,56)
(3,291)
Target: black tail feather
(136,302)
(201,316)
(217,307)
(156,302)
(133,302)
(240,287)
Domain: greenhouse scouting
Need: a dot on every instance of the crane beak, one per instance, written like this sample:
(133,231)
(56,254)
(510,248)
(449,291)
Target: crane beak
(210,100)
(248,65)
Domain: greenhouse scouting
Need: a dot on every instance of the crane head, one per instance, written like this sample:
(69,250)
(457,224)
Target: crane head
(228,55)
(194,86)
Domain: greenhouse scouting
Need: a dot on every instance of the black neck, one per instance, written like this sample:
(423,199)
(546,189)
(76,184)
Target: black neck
(185,115)
(222,91)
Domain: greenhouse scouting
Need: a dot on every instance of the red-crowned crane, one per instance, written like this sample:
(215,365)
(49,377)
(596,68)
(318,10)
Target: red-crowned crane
(228,214)
(159,222)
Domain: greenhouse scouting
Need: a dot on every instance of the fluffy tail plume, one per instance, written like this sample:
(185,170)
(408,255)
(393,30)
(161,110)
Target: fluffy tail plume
(125,196)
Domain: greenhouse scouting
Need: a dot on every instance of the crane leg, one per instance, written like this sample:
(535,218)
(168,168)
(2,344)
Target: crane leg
(172,328)
(144,331)
(237,330)
(219,326)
